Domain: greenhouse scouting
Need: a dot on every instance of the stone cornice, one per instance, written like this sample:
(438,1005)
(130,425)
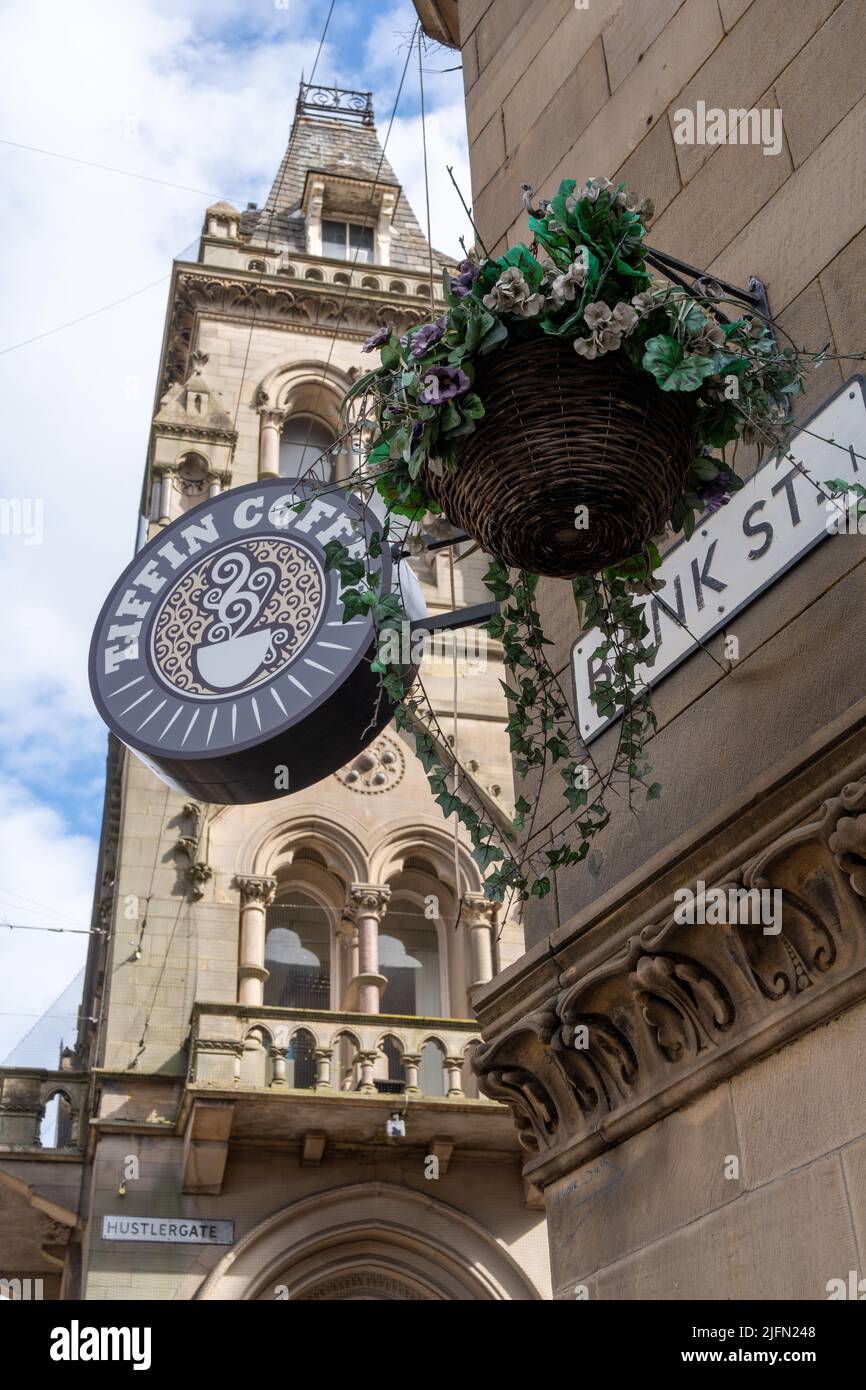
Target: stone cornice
(180,431)
(307,306)
(628,1015)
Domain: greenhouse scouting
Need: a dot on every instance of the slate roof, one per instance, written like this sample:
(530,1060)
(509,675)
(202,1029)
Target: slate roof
(334,145)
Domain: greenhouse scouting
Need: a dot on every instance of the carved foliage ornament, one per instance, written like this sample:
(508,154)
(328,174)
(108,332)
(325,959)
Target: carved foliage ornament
(680,994)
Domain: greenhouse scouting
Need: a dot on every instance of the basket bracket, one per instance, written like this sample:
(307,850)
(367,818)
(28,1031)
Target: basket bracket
(705,286)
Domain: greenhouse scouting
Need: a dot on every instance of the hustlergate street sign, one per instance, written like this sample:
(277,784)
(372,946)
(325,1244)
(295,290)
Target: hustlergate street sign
(221,656)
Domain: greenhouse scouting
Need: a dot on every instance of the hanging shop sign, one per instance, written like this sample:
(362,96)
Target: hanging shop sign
(733,556)
(169,1230)
(221,656)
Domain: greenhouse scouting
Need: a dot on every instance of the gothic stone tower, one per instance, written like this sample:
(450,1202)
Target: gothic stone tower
(277,980)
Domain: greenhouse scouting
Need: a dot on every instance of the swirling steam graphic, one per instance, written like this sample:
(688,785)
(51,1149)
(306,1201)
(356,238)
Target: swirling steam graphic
(236,607)
(237,617)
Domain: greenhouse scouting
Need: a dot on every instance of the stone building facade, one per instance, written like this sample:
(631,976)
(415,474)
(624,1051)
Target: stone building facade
(711,1142)
(271,984)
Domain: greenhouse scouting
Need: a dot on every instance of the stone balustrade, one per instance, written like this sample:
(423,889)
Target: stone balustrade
(26,1093)
(234,1045)
(389,281)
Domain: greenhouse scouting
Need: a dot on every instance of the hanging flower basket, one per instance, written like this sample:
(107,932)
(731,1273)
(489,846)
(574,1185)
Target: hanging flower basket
(563,407)
(565,410)
(576,463)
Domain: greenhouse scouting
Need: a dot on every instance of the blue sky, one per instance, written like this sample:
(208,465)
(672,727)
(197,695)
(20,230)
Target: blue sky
(198,93)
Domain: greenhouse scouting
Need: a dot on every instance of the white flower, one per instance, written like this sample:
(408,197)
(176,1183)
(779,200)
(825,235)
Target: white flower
(643,302)
(608,326)
(711,339)
(511,294)
(597,315)
(624,317)
(566,285)
(596,186)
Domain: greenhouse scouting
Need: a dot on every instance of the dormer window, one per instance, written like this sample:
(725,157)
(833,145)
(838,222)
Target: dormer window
(342,240)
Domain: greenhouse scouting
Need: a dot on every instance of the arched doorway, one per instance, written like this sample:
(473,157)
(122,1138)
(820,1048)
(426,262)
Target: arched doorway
(368,1241)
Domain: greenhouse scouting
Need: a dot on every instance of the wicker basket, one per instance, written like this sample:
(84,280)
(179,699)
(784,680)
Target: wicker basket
(561,432)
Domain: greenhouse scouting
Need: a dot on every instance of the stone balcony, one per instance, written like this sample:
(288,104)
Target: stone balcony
(320,1081)
(267,1048)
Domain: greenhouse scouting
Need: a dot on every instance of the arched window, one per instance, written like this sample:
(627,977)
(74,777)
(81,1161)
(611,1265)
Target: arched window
(305,439)
(193,478)
(409,960)
(298,954)
(301,1061)
(55,1126)
(431,1072)
(393,1053)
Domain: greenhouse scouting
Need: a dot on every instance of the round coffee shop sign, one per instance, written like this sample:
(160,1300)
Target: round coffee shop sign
(221,656)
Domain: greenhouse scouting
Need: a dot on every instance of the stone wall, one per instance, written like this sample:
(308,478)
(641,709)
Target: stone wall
(258,1185)
(555,91)
(697,1056)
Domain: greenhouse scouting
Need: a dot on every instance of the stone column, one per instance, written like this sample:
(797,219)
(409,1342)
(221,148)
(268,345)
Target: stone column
(368,1064)
(256,895)
(479,914)
(269,442)
(165,491)
(366,906)
(279,1057)
(411,1063)
(453,1069)
(323,1068)
(214,486)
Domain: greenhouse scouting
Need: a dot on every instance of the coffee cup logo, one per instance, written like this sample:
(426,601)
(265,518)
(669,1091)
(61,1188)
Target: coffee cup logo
(237,618)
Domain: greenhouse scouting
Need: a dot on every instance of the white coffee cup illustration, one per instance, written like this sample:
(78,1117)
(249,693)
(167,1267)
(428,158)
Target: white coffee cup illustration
(231,655)
(223,665)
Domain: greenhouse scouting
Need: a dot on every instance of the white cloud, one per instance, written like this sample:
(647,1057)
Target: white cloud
(40,860)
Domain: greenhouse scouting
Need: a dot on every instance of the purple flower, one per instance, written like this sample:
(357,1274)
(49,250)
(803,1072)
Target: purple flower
(428,334)
(463,282)
(378,338)
(417,431)
(442,383)
(714,493)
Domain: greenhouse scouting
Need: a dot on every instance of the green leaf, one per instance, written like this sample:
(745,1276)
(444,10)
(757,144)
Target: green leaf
(661,355)
(472,406)
(654,792)
(485,855)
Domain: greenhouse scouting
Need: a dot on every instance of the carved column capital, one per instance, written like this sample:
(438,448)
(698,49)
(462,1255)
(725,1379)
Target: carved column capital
(366,900)
(255,891)
(478,911)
